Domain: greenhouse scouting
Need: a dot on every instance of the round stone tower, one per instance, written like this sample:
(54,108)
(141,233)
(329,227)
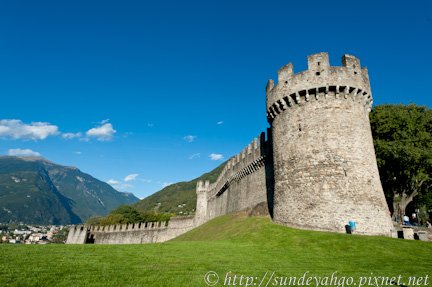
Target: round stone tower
(324,159)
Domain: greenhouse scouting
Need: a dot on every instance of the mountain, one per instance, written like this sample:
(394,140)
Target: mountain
(35,190)
(178,198)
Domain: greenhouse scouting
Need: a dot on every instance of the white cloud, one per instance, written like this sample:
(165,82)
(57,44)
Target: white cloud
(78,152)
(119,185)
(195,155)
(69,136)
(105,132)
(219,122)
(145,180)
(23,152)
(216,156)
(16,129)
(189,138)
(131,177)
(104,121)
(113,182)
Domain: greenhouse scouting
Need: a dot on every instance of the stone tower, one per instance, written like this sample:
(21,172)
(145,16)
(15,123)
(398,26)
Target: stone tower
(202,189)
(324,160)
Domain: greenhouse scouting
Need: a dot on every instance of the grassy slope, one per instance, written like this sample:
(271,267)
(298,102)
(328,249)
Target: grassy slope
(177,194)
(232,243)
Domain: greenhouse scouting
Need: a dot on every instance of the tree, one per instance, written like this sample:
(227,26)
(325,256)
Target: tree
(60,236)
(94,220)
(120,215)
(403,146)
(130,214)
(113,219)
(153,216)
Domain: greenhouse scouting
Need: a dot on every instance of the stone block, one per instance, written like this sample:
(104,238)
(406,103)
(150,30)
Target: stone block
(408,232)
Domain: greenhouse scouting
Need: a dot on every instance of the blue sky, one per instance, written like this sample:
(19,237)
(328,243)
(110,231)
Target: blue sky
(145,93)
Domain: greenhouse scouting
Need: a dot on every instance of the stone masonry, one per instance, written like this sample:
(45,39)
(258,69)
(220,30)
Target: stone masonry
(315,170)
(324,159)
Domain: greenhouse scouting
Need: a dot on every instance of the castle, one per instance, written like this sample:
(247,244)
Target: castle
(316,168)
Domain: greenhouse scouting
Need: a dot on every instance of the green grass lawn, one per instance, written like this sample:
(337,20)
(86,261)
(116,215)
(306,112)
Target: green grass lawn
(233,244)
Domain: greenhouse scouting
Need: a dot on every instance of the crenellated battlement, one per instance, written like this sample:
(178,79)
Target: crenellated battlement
(202,186)
(142,232)
(79,227)
(250,159)
(129,226)
(319,93)
(319,82)
(121,227)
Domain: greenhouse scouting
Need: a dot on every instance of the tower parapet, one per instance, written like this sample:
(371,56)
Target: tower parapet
(202,186)
(324,160)
(319,81)
(202,189)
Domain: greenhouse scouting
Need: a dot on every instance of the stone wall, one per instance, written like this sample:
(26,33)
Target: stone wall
(154,232)
(243,182)
(137,233)
(324,160)
(146,232)
(77,234)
